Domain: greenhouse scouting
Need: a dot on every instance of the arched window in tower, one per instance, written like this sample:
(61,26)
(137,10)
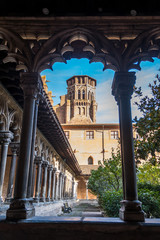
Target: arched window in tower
(79,111)
(83,94)
(79,94)
(90,161)
(89,95)
(92,96)
(83,110)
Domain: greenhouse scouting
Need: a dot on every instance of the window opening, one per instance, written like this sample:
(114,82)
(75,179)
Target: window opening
(114,134)
(90,161)
(90,135)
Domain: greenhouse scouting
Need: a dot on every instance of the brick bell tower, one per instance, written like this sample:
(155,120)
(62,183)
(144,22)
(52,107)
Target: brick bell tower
(81,103)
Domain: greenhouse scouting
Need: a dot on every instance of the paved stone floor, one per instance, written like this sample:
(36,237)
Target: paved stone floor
(85,209)
(80,208)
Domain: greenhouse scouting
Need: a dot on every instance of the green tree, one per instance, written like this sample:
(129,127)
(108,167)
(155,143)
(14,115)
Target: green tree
(148,173)
(147,146)
(108,176)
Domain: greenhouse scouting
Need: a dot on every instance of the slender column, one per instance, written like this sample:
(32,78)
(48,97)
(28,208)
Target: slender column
(14,146)
(50,167)
(86,181)
(57,185)
(5,138)
(122,90)
(64,189)
(20,207)
(60,186)
(38,161)
(53,183)
(75,189)
(73,186)
(63,177)
(44,183)
(30,177)
(33,179)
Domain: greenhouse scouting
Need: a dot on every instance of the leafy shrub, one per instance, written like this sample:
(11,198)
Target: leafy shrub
(152,187)
(110,202)
(150,202)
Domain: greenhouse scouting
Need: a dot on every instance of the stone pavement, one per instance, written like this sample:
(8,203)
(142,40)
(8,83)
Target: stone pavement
(87,208)
(80,208)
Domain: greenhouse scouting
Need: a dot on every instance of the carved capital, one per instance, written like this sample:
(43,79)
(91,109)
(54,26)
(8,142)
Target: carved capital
(45,164)
(31,84)
(6,137)
(38,160)
(54,169)
(123,84)
(14,147)
(50,167)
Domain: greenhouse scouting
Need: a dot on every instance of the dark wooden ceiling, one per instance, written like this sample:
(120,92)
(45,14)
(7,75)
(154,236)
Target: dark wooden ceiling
(83,7)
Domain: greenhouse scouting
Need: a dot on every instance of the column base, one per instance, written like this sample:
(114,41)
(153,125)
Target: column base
(48,199)
(20,209)
(8,200)
(36,200)
(131,211)
(42,199)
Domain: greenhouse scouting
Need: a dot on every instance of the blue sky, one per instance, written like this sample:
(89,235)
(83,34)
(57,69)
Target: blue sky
(107,107)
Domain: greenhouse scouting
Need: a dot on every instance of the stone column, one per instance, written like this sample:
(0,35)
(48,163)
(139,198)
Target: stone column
(44,183)
(50,168)
(64,189)
(20,207)
(60,186)
(75,189)
(122,89)
(5,139)
(53,183)
(33,179)
(73,186)
(57,185)
(86,181)
(38,161)
(30,177)
(14,146)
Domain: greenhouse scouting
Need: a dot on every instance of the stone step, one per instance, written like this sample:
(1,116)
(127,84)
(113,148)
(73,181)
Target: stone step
(92,214)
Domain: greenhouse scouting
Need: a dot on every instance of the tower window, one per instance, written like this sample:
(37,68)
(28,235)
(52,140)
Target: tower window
(92,96)
(89,134)
(83,94)
(90,161)
(114,134)
(83,109)
(89,95)
(79,111)
(79,94)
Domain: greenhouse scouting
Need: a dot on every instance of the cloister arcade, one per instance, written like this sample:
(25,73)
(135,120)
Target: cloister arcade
(27,47)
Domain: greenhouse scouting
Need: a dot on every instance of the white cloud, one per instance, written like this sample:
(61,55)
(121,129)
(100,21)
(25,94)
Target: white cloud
(107,106)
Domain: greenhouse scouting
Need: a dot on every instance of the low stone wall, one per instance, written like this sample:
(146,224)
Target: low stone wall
(79,228)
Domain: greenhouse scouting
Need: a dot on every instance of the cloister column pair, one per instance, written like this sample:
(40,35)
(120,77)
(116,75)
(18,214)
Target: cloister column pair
(6,137)
(122,89)
(20,206)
